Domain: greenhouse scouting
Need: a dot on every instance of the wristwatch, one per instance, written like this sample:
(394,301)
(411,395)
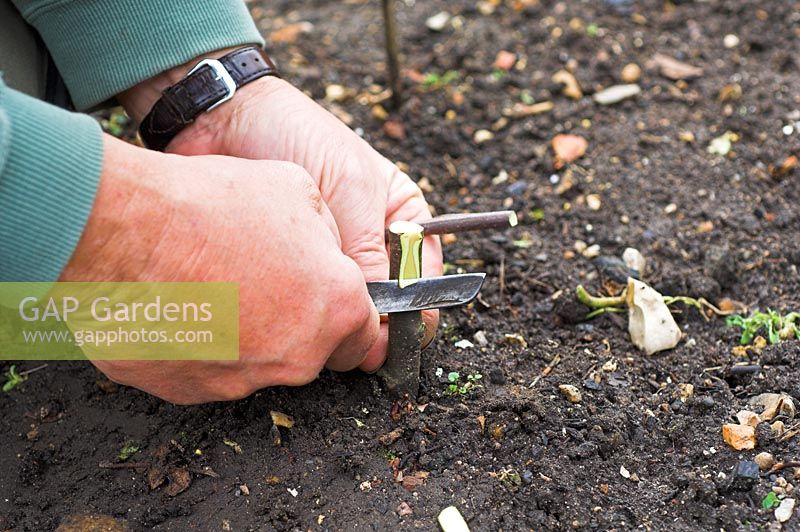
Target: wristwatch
(210,83)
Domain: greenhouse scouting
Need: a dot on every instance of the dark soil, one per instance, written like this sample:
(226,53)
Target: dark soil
(535,461)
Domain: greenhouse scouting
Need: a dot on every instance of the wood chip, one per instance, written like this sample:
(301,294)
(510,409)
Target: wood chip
(674,69)
(280,419)
(520,110)
(572,89)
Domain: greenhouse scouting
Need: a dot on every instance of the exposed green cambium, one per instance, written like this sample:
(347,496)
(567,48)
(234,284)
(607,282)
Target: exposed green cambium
(410,259)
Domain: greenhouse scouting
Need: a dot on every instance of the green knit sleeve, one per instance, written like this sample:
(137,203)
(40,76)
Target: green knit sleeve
(102,47)
(50,163)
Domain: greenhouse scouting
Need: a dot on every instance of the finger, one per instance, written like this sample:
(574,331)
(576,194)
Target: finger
(355,319)
(377,355)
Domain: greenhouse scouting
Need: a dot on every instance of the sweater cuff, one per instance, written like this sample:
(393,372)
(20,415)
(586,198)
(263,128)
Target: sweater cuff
(104,47)
(50,164)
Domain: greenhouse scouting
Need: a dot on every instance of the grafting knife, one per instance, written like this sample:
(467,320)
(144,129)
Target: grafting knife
(425,294)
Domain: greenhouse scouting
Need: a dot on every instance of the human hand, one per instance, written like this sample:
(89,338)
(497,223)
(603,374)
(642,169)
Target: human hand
(160,217)
(270,119)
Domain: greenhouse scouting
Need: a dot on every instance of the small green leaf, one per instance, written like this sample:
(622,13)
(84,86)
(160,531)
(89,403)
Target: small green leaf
(127,451)
(770,501)
(537,215)
(499,74)
(592,30)
(453,376)
(526,98)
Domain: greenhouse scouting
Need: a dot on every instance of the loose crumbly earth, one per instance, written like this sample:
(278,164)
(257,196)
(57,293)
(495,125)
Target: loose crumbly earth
(514,455)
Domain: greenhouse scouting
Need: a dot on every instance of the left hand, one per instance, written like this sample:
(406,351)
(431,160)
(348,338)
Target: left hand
(270,119)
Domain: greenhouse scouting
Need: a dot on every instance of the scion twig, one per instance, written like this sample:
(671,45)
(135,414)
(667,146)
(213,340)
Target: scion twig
(459,223)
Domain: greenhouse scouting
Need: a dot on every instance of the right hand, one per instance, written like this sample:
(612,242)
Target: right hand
(304,305)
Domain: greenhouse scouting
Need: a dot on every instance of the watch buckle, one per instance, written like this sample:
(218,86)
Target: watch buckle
(220,73)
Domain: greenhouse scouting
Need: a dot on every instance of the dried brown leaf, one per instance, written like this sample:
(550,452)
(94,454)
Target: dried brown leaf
(179,481)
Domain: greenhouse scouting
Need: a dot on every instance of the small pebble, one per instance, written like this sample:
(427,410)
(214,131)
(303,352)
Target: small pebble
(591,384)
(730,41)
(593,202)
(634,260)
(616,93)
(517,188)
(570,392)
(482,135)
(438,21)
(480,338)
(765,461)
(527,476)
(745,475)
(403,509)
(631,73)
(784,512)
(335,93)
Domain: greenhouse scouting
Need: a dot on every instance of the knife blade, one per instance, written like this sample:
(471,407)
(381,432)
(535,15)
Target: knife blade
(425,294)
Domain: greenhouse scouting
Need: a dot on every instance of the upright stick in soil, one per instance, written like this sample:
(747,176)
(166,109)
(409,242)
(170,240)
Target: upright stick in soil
(406,329)
(392,53)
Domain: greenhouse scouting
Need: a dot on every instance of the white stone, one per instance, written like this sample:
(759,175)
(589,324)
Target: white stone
(784,512)
(482,135)
(438,21)
(730,41)
(634,260)
(617,93)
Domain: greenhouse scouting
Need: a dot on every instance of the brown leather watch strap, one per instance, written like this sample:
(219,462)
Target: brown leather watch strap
(209,84)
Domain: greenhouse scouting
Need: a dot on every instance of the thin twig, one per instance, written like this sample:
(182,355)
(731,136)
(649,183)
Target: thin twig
(32,370)
(392,53)
(126,465)
(782,466)
(458,223)
(546,371)
(502,275)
